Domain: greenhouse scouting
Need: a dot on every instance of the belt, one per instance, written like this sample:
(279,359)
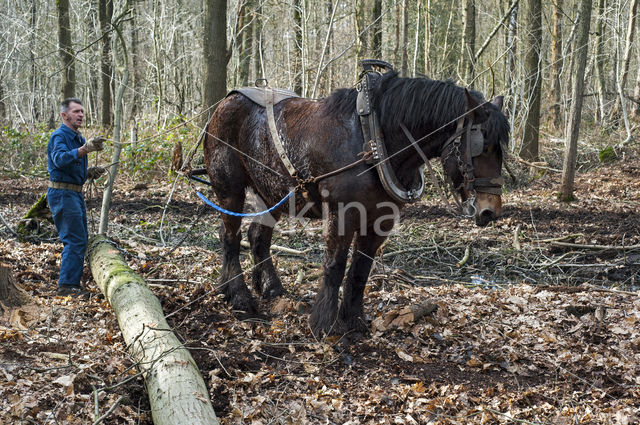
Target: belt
(68,186)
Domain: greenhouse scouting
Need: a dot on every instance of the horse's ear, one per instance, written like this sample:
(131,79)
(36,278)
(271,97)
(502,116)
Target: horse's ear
(498,101)
(476,111)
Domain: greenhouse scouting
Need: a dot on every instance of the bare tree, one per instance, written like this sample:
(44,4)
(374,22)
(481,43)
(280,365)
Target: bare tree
(599,59)
(405,38)
(105,13)
(577,91)
(468,41)
(532,81)
(623,74)
(65,50)
(376,39)
(215,52)
(556,65)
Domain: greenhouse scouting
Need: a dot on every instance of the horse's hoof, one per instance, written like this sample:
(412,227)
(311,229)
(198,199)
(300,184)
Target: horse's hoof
(274,291)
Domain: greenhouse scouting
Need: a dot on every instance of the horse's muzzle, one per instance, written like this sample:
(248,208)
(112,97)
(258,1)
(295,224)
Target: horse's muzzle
(488,208)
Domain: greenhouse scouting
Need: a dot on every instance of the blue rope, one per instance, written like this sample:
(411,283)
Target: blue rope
(223,211)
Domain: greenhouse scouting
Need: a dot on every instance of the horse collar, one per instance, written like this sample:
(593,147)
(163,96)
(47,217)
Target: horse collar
(374,142)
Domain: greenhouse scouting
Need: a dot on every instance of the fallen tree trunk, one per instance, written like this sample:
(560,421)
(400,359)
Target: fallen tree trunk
(177,392)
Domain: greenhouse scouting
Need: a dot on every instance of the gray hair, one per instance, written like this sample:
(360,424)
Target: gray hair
(64,106)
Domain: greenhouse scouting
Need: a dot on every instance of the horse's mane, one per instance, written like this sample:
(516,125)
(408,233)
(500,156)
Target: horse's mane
(418,103)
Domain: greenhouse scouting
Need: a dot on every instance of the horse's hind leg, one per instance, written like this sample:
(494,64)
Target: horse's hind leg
(232,283)
(264,277)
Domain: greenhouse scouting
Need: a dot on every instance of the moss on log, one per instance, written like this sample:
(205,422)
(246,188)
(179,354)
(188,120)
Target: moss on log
(177,392)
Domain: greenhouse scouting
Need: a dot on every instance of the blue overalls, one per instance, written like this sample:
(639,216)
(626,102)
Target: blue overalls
(67,206)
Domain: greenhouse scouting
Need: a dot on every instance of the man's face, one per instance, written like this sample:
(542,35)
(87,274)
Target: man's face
(74,116)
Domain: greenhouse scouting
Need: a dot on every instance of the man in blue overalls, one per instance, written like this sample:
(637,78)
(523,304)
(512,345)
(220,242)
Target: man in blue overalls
(67,160)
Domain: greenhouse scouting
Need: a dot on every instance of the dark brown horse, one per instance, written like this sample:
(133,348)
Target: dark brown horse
(323,136)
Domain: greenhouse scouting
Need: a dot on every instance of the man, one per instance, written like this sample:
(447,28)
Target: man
(67,161)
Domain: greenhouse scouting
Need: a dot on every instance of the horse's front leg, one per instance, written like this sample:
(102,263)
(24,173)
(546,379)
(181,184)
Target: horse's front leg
(264,277)
(352,309)
(325,310)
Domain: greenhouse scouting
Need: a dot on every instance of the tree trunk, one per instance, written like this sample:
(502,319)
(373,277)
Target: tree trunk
(404,68)
(121,63)
(626,60)
(298,85)
(530,138)
(215,52)
(105,13)
(376,39)
(65,49)
(635,109)
(3,107)
(157,60)
(511,58)
(11,295)
(177,392)
(600,58)
(246,42)
(136,106)
(362,47)
(33,80)
(556,66)
(468,41)
(573,126)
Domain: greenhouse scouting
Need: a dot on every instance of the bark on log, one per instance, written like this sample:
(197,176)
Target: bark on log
(177,392)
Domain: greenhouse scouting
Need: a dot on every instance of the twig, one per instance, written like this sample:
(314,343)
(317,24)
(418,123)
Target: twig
(607,247)
(516,238)
(465,258)
(540,165)
(108,412)
(8,227)
(405,251)
(610,291)
(284,249)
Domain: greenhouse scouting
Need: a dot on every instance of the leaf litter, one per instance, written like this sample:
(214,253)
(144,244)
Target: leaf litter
(524,331)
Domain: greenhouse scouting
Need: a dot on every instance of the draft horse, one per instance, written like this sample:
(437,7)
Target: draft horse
(326,135)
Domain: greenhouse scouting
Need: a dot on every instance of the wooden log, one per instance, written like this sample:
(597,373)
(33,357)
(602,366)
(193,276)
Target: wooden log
(177,392)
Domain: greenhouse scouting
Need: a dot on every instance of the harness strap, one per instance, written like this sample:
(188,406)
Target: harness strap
(277,142)
(427,163)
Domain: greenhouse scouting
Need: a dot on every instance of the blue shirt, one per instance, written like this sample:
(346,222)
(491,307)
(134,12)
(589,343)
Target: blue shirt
(62,152)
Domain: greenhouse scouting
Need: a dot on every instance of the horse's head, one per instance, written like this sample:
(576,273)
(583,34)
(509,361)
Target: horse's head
(473,160)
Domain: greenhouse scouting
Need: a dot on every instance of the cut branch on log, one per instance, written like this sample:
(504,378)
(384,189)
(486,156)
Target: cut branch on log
(177,392)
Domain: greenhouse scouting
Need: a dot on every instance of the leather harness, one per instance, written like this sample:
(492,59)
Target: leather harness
(374,149)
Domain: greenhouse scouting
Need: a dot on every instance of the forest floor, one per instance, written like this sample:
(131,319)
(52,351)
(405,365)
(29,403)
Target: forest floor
(541,324)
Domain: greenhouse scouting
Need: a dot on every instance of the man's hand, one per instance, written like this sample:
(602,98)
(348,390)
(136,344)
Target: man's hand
(95,172)
(94,144)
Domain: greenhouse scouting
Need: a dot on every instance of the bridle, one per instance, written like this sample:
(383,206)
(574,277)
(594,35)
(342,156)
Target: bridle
(474,147)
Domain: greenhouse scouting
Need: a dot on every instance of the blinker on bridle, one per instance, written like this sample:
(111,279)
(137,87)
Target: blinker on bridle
(474,148)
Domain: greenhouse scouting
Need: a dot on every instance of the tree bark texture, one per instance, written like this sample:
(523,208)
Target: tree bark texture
(215,52)
(11,295)
(533,44)
(573,126)
(600,59)
(626,60)
(468,41)
(65,50)
(376,39)
(556,66)
(177,392)
(105,13)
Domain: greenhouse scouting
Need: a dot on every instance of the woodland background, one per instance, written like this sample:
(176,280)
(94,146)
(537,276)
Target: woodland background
(536,316)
